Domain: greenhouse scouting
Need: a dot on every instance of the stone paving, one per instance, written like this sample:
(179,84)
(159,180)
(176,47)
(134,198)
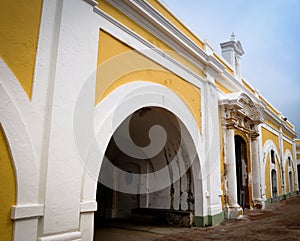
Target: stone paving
(280,221)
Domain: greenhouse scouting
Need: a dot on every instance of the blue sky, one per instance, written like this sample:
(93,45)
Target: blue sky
(269,31)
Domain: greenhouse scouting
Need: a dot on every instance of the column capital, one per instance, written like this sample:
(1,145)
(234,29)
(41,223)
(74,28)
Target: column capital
(254,136)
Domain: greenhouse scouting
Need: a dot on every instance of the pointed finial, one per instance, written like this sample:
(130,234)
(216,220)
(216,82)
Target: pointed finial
(232,37)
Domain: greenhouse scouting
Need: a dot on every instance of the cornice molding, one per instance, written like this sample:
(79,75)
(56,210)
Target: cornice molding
(279,122)
(91,2)
(151,20)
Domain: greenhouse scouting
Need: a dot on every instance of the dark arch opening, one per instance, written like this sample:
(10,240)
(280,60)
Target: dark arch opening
(274,185)
(242,172)
(114,205)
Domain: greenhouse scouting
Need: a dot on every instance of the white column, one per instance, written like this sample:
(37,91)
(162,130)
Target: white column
(232,209)
(231,168)
(256,173)
(282,167)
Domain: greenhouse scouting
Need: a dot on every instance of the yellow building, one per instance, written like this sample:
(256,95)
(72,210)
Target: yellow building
(114,109)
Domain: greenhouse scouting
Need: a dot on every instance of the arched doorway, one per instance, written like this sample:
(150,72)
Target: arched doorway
(125,185)
(274,185)
(291,182)
(241,171)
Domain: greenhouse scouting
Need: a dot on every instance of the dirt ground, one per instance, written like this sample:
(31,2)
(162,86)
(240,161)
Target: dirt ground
(279,221)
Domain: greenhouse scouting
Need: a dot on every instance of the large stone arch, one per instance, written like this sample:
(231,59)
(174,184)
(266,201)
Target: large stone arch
(111,112)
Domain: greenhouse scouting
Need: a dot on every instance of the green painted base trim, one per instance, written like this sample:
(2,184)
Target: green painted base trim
(216,219)
(269,201)
(280,198)
(290,194)
(272,200)
(209,220)
(201,221)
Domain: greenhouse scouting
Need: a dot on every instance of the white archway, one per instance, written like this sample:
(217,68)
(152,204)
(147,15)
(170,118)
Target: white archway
(268,147)
(290,171)
(111,112)
(14,106)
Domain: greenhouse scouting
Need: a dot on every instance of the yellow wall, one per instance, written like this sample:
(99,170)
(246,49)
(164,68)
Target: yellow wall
(267,135)
(119,64)
(222,88)
(116,14)
(290,137)
(288,146)
(19,29)
(272,124)
(268,176)
(298,156)
(7,189)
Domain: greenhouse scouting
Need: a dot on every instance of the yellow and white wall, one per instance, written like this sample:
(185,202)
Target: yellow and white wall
(70,67)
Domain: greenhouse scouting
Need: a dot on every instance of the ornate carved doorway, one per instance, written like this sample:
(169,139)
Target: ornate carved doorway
(240,121)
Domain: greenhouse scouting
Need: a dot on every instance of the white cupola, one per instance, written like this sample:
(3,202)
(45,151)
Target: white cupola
(232,51)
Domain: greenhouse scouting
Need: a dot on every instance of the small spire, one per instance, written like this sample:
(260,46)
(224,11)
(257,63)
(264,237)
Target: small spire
(232,37)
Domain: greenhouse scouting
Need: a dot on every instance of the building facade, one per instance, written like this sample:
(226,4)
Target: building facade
(110,106)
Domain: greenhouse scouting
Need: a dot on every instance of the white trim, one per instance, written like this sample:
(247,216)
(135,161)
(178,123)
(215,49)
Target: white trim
(153,18)
(88,206)
(287,140)
(288,154)
(152,21)
(27,211)
(91,2)
(18,136)
(271,129)
(62,237)
(270,145)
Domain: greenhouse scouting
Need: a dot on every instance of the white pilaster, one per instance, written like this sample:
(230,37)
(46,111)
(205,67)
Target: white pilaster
(232,209)
(75,62)
(212,147)
(256,173)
